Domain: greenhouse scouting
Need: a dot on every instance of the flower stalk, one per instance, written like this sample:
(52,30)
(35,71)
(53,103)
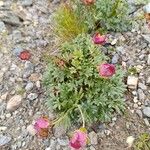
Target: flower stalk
(82,116)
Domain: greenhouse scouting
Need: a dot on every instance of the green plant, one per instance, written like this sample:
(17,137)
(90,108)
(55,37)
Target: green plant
(75,89)
(132,71)
(112,15)
(143,142)
(141,2)
(67,24)
(74,18)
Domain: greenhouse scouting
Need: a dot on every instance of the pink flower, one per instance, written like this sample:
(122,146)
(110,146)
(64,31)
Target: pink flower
(88,2)
(79,139)
(41,126)
(99,39)
(25,55)
(107,70)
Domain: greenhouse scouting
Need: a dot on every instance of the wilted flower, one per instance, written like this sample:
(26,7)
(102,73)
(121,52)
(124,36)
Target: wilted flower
(25,55)
(107,70)
(61,63)
(79,139)
(42,126)
(99,39)
(88,2)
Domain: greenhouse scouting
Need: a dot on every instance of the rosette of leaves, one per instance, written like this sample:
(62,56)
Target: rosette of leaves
(73,82)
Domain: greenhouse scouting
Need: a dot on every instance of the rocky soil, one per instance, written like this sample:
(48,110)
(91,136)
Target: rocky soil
(25,25)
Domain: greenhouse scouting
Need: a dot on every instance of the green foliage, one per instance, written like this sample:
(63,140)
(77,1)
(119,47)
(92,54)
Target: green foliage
(73,84)
(67,24)
(141,2)
(143,142)
(113,14)
(74,18)
(132,71)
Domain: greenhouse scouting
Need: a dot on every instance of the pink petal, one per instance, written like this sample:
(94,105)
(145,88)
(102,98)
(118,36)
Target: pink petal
(106,70)
(42,123)
(78,140)
(99,39)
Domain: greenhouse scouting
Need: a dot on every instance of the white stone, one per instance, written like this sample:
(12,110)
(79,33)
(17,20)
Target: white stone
(1,3)
(14,103)
(38,84)
(32,96)
(132,82)
(146,121)
(114,42)
(3,128)
(93,138)
(4,96)
(29,86)
(31,130)
(148,61)
(148,80)
(135,100)
(130,141)
(8,115)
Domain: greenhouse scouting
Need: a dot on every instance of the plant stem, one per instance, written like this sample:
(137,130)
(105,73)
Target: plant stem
(63,116)
(83,120)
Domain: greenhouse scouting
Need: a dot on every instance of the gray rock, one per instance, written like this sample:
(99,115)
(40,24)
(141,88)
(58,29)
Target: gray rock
(147,102)
(120,50)
(142,86)
(29,68)
(146,111)
(141,94)
(146,121)
(10,18)
(26,2)
(63,142)
(139,113)
(14,103)
(46,142)
(29,86)
(148,80)
(16,35)
(146,37)
(4,140)
(52,145)
(59,131)
(2,26)
(93,138)
(17,51)
(115,59)
(1,76)
(32,96)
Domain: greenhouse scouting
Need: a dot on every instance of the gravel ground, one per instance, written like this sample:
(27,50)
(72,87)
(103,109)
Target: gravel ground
(25,25)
